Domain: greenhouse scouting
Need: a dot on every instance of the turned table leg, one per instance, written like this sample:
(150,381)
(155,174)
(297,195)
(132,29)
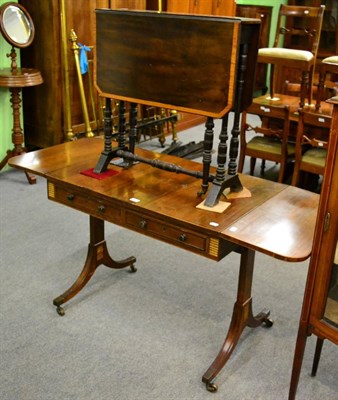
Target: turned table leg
(242,316)
(97,255)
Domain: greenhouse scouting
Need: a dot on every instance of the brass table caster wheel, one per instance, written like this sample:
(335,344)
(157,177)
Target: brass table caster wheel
(268,322)
(211,387)
(60,311)
(132,269)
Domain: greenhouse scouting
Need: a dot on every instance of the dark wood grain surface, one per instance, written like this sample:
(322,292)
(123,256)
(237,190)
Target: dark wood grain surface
(277,219)
(188,63)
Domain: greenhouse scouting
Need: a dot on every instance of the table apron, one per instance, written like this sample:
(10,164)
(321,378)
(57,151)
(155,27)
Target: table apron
(209,246)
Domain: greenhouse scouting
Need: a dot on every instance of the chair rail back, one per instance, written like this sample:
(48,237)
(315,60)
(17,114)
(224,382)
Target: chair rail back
(301,21)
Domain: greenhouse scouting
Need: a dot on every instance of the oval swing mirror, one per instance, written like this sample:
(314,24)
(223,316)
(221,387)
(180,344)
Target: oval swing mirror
(16,25)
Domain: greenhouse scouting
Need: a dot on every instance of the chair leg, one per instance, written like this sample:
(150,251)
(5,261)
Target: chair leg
(252,165)
(318,352)
(281,172)
(262,167)
(272,89)
(304,88)
(310,88)
(295,175)
(320,90)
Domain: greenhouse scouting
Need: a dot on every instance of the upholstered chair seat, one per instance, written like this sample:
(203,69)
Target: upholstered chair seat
(303,23)
(328,79)
(331,60)
(269,145)
(315,156)
(285,54)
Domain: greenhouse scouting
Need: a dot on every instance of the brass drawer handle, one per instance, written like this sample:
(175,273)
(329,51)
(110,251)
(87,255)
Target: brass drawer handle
(101,209)
(142,224)
(70,197)
(182,237)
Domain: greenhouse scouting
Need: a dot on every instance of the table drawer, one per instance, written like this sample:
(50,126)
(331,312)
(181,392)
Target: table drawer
(162,230)
(87,204)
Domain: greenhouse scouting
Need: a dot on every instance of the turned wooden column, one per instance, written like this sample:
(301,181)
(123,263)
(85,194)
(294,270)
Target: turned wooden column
(15,79)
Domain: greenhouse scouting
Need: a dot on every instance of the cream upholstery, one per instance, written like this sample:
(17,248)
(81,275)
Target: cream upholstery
(292,54)
(327,86)
(330,60)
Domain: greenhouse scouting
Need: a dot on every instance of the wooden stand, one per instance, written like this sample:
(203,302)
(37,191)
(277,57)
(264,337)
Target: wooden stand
(209,80)
(15,79)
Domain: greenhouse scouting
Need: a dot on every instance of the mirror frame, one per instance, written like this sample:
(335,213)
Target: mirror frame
(12,42)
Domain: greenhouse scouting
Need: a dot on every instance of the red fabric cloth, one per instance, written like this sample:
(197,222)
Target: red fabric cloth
(103,175)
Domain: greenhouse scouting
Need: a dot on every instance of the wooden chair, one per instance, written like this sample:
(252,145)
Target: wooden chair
(295,21)
(328,66)
(311,143)
(269,142)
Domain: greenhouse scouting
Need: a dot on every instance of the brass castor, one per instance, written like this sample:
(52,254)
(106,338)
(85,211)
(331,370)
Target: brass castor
(211,387)
(133,268)
(268,322)
(60,311)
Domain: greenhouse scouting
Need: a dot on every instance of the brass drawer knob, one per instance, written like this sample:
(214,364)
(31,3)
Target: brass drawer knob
(70,197)
(182,237)
(142,224)
(101,208)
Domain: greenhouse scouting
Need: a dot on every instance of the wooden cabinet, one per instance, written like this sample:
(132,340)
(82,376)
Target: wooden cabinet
(131,4)
(320,307)
(53,111)
(213,7)
(224,7)
(190,7)
(263,13)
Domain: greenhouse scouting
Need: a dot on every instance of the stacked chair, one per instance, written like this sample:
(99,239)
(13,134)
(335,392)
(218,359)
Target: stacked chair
(268,141)
(328,79)
(294,128)
(312,139)
(313,130)
(295,21)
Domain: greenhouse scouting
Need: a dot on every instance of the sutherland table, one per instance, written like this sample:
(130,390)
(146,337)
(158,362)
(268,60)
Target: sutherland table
(277,220)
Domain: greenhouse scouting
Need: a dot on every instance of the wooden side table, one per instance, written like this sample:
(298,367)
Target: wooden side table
(15,80)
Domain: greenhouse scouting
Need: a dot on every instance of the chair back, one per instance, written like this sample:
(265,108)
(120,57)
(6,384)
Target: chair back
(328,80)
(299,27)
(313,129)
(269,141)
(313,133)
(272,116)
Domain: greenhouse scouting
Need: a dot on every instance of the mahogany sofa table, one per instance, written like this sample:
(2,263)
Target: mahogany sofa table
(277,220)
